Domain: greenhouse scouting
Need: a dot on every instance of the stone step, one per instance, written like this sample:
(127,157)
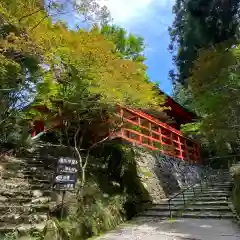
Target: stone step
(26,174)
(32,180)
(218,186)
(222,181)
(13,218)
(225,183)
(206,186)
(24,208)
(212,202)
(212,193)
(39,164)
(20,199)
(25,193)
(12,163)
(196,203)
(23,229)
(209,189)
(8,185)
(201,198)
(191,208)
(16,164)
(197,214)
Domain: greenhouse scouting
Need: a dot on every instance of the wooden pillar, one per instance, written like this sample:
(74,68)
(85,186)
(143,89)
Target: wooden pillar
(195,153)
(33,133)
(160,135)
(122,127)
(172,143)
(180,148)
(150,131)
(139,124)
(198,153)
(186,151)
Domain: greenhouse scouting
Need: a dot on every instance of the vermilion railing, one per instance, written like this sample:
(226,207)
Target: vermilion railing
(145,130)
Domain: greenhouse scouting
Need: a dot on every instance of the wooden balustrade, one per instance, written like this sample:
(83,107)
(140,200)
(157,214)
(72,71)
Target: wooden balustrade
(147,131)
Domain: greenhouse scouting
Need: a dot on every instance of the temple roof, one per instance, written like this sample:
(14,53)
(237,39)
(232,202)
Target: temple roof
(180,113)
(176,114)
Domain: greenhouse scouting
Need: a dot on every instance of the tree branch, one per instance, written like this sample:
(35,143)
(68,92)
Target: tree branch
(29,15)
(76,148)
(38,23)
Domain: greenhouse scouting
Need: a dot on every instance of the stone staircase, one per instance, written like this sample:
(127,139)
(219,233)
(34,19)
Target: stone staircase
(25,192)
(208,200)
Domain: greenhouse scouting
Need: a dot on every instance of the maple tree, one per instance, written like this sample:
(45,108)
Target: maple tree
(90,80)
(128,46)
(76,74)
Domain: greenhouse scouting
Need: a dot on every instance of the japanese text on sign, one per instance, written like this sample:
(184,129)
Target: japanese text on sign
(67,161)
(66,174)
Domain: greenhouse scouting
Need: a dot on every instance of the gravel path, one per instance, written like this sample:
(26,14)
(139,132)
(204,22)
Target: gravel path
(180,229)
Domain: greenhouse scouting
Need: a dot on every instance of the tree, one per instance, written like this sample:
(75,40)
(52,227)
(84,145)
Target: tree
(77,74)
(200,24)
(24,31)
(19,71)
(215,85)
(84,80)
(86,10)
(183,96)
(128,46)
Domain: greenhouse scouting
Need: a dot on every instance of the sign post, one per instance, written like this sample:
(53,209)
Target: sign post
(66,177)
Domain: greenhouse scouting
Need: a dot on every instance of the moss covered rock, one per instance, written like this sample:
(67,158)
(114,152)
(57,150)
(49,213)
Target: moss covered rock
(235,171)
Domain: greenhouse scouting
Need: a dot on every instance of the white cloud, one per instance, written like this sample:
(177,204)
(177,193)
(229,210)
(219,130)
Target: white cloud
(125,12)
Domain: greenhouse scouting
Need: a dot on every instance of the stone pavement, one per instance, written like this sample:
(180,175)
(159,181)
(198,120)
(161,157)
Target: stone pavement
(180,229)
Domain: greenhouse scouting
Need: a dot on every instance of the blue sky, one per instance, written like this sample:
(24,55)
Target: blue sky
(150,19)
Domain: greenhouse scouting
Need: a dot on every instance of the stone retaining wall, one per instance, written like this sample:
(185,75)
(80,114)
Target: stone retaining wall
(163,175)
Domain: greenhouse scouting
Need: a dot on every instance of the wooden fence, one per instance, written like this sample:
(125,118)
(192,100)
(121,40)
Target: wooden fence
(147,131)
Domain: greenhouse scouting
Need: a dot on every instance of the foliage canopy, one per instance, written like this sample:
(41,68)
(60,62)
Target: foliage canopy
(49,63)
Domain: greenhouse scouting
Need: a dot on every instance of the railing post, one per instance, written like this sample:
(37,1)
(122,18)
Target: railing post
(171,140)
(139,124)
(186,151)
(184,202)
(170,210)
(180,147)
(198,154)
(150,130)
(195,152)
(121,115)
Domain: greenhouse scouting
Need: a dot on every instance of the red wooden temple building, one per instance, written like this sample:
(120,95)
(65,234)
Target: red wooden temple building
(154,130)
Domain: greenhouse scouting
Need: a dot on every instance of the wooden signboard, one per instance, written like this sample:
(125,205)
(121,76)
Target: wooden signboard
(66,174)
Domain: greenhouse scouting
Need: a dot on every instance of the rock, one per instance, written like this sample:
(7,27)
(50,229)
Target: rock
(116,184)
(3,199)
(40,200)
(162,175)
(16,216)
(23,229)
(37,193)
(1,171)
(38,218)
